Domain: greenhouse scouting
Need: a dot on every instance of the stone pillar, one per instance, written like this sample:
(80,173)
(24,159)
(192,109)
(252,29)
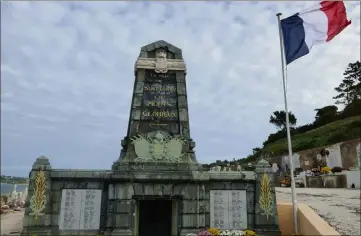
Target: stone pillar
(266,216)
(121,209)
(37,217)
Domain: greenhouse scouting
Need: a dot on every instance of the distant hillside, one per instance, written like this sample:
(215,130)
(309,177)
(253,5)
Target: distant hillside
(338,131)
(12,179)
(328,134)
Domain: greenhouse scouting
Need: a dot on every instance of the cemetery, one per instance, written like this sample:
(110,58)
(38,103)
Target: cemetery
(156,186)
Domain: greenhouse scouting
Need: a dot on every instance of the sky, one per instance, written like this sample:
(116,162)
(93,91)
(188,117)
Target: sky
(67,74)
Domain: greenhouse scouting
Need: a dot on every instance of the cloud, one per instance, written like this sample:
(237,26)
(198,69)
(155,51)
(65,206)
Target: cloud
(67,75)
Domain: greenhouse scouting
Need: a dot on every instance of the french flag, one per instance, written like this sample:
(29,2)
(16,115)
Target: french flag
(316,25)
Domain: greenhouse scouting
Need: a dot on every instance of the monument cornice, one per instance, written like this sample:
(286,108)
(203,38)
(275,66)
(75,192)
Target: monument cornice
(151,63)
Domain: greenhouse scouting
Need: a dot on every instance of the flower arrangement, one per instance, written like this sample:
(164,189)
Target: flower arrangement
(249,233)
(217,232)
(214,231)
(205,233)
(325,170)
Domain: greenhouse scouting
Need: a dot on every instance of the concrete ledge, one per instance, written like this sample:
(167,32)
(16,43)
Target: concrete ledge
(309,222)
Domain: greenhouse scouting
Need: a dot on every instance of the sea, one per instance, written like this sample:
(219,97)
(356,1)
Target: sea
(8,188)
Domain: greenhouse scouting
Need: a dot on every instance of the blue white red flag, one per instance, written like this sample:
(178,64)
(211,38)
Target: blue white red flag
(316,25)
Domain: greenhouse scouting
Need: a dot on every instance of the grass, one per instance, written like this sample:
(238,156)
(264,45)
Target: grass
(338,131)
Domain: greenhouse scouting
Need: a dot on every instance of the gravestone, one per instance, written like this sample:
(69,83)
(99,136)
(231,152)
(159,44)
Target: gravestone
(157,167)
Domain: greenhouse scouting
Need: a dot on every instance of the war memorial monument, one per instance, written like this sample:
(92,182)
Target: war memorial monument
(156,187)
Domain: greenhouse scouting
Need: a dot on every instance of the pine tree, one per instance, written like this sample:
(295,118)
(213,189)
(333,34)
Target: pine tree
(350,88)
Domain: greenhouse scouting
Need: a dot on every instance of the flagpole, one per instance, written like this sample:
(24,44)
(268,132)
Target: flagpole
(284,75)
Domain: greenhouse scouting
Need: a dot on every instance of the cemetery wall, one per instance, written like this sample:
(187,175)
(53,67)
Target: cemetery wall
(326,181)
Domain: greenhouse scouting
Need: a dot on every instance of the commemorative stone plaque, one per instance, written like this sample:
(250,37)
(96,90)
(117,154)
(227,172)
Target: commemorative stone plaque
(159,106)
(228,209)
(80,209)
(70,209)
(90,210)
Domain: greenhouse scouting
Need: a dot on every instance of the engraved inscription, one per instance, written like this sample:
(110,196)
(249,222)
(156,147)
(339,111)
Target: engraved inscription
(70,209)
(80,209)
(151,75)
(91,209)
(219,209)
(238,209)
(228,209)
(160,115)
(159,103)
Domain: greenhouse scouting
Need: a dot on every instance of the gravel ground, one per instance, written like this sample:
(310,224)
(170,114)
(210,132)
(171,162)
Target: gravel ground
(11,223)
(339,207)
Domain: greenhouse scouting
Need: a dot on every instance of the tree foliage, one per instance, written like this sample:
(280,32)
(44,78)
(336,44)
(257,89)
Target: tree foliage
(349,89)
(326,114)
(278,118)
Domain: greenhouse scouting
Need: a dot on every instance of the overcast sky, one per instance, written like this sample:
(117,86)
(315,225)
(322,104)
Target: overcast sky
(67,75)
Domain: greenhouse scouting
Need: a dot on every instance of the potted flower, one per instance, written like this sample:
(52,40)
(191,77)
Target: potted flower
(325,170)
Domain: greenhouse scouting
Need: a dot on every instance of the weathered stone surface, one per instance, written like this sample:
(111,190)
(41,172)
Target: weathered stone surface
(136,114)
(158,189)
(55,207)
(148,189)
(190,191)
(55,194)
(41,163)
(159,44)
(138,189)
(182,102)
(167,189)
(181,89)
(250,202)
(139,90)
(189,206)
(124,191)
(178,189)
(250,220)
(123,206)
(180,77)
(122,220)
(204,206)
(189,220)
(202,221)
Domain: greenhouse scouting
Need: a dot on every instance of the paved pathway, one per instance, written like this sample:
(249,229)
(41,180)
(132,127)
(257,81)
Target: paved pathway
(339,207)
(11,223)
